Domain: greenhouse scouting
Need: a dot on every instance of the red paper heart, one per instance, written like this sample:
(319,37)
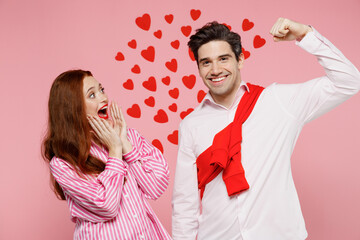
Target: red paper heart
(173,107)
(185,113)
(172,65)
(119,56)
(169,18)
(150,101)
(228,26)
(149,53)
(173,138)
(166,80)
(136,69)
(186,30)
(258,41)
(195,14)
(174,93)
(189,81)
(175,44)
(200,96)
(191,55)
(129,85)
(143,22)
(134,111)
(246,53)
(132,44)
(158,145)
(161,117)
(150,84)
(247,25)
(158,34)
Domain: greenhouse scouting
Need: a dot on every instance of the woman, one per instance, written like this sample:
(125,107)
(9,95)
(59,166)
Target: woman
(102,168)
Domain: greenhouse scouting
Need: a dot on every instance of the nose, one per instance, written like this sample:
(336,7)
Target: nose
(215,69)
(103,97)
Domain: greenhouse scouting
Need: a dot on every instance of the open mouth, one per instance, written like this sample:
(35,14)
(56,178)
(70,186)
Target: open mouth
(102,113)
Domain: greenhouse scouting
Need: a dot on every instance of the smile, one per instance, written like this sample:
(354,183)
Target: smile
(218,79)
(102,113)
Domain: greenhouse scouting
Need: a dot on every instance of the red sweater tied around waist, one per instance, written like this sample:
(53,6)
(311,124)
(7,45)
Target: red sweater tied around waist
(225,152)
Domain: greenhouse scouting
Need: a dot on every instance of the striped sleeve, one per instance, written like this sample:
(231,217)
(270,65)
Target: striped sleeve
(148,166)
(96,199)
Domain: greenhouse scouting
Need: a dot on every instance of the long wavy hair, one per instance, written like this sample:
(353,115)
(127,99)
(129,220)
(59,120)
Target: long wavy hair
(68,134)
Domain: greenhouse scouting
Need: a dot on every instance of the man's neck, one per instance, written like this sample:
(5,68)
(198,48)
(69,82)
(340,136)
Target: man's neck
(228,100)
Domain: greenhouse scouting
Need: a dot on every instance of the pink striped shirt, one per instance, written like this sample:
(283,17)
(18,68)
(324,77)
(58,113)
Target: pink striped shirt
(104,206)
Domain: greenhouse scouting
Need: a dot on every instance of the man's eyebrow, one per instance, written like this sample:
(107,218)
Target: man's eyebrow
(225,55)
(203,59)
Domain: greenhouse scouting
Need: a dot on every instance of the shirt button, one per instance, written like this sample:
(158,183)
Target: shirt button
(141,236)
(135,216)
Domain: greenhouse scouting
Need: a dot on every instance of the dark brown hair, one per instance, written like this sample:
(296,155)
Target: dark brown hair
(215,31)
(68,134)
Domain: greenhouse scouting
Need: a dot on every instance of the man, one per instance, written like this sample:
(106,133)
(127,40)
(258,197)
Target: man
(235,147)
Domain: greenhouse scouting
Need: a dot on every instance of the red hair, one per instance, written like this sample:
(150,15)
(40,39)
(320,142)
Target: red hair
(68,135)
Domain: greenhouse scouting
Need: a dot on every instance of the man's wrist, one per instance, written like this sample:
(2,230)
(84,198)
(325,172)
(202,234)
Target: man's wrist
(308,29)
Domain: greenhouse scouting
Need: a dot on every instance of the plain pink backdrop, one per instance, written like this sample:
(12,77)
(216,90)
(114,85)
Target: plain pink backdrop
(40,39)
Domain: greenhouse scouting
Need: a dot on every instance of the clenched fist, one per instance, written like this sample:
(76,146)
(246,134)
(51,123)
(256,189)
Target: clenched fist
(287,30)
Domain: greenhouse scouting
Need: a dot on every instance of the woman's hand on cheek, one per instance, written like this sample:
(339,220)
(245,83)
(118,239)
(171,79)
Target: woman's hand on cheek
(107,136)
(120,126)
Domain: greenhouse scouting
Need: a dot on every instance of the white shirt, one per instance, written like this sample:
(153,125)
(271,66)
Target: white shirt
(270,209)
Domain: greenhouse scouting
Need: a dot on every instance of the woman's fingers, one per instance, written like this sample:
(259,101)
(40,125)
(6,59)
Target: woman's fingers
(100,127)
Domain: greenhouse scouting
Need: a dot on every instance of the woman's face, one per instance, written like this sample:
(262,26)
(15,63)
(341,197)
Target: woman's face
(96,101)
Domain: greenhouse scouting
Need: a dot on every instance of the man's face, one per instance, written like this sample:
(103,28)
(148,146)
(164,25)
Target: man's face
(220,70)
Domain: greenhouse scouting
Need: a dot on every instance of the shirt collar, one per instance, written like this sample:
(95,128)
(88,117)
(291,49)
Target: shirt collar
(208,99)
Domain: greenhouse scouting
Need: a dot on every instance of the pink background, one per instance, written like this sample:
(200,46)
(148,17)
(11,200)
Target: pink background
(40,39)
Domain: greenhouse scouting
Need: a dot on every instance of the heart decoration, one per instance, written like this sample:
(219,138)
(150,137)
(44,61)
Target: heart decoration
(246,53)
(129,85)
(173,107)
(169,18)
(200,96)
(173,138)
(149,54)
(143,22)
(134,111)
(185,113)
(119,57)
(174,93)
(195,14)
(191,55)
(136,69)
(150,101)
(175,44)
(189,81)
(161,117)
(247,25)
(172,65)
(186,30)
(166,80)
(150,84)
(132,44)
(258,41)
(228,26)
(158,34)
(158,145)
